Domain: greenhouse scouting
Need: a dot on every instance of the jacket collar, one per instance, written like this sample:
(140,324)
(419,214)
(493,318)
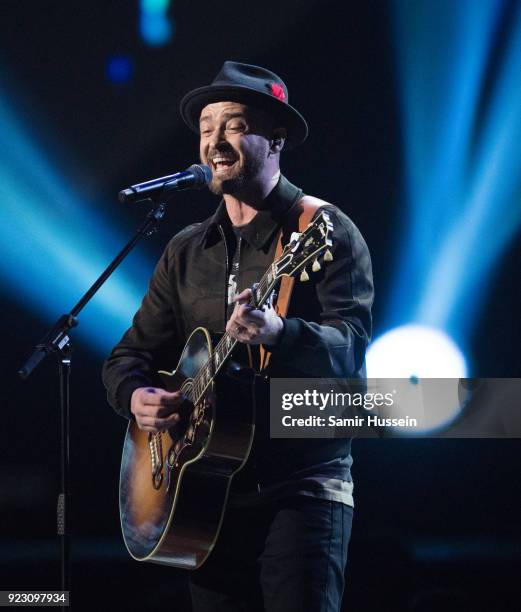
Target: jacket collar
(259,231)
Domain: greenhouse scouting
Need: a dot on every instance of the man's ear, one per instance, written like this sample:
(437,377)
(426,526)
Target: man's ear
(278,140)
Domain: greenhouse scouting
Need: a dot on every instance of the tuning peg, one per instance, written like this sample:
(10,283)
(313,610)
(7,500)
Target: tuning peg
(328,256)
(316,266)
(304,276)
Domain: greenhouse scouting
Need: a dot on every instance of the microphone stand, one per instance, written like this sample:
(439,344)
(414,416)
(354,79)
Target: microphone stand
(58,343)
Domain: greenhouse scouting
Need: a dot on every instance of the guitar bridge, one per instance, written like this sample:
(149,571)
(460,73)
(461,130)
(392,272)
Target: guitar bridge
(155,444)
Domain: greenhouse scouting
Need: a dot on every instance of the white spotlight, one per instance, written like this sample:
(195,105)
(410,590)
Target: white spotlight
(406,355)
(415,351)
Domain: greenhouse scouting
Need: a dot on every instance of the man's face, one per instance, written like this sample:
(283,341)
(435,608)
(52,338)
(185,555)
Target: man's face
(235,143)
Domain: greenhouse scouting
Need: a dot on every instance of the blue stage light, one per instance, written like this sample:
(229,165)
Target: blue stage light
(119,69)
(53,245)
(462,158)
(155,25)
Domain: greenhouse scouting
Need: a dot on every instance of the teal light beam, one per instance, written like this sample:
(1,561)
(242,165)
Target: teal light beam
(53,245)
(460,200)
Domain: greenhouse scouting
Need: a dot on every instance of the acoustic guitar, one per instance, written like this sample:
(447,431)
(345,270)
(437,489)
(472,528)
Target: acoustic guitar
(174,484)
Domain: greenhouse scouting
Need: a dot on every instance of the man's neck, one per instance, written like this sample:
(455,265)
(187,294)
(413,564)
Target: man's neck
(242,208)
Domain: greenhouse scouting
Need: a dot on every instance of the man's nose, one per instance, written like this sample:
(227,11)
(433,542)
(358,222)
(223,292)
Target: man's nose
(218,137)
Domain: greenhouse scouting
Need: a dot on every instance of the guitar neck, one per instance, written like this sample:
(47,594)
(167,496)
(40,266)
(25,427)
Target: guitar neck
(306,245)
(261,293)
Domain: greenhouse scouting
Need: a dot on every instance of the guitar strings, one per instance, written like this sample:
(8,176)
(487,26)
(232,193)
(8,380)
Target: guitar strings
(224,347)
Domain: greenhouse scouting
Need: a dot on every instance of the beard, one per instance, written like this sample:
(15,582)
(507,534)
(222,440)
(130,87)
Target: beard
(242,177)
(233,185)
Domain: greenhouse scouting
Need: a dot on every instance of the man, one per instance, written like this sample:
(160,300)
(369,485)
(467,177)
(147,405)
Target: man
(283,544)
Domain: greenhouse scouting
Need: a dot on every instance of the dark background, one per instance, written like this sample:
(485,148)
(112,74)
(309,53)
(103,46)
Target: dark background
(437,521)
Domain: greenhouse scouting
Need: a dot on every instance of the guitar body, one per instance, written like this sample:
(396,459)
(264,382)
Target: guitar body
(174,484)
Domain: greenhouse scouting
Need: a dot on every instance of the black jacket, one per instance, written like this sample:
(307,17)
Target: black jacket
(325,334)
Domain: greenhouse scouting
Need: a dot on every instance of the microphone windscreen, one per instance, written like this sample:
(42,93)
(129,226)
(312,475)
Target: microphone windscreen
(203,175)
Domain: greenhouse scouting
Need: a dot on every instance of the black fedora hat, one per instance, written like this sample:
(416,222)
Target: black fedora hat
(247,84)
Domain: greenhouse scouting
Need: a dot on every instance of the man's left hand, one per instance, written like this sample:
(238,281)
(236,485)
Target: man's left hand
(254,326)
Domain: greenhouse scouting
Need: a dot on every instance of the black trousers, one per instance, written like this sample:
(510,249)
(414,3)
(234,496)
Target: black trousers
(287,555)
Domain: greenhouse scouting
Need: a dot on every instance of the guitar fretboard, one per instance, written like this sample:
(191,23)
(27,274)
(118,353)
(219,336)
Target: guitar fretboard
(227,343)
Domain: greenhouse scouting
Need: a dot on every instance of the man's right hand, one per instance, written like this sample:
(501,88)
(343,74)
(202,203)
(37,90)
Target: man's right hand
(155,409)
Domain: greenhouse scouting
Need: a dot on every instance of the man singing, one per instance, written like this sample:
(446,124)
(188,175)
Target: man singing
(283,543)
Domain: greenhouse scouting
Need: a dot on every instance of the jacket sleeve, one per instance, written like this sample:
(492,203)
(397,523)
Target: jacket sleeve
(150,343)
(330,337)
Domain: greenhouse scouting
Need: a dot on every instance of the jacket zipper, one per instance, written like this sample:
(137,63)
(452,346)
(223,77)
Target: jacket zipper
(226,275)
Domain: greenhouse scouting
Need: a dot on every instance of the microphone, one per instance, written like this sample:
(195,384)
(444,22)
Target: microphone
(195,177)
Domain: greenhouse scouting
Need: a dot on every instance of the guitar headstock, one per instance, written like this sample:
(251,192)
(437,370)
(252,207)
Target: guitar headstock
(311,244)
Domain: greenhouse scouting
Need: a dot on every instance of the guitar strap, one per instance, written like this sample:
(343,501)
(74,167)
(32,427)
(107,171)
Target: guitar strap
(297,219)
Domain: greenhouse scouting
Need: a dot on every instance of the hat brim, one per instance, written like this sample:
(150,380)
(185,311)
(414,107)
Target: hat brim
(194,101)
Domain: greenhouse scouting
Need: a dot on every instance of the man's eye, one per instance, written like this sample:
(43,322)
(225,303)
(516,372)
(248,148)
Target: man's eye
(206,131)
(235,127)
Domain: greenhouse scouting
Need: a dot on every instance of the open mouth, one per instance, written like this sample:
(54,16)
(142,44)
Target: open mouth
(220,164)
